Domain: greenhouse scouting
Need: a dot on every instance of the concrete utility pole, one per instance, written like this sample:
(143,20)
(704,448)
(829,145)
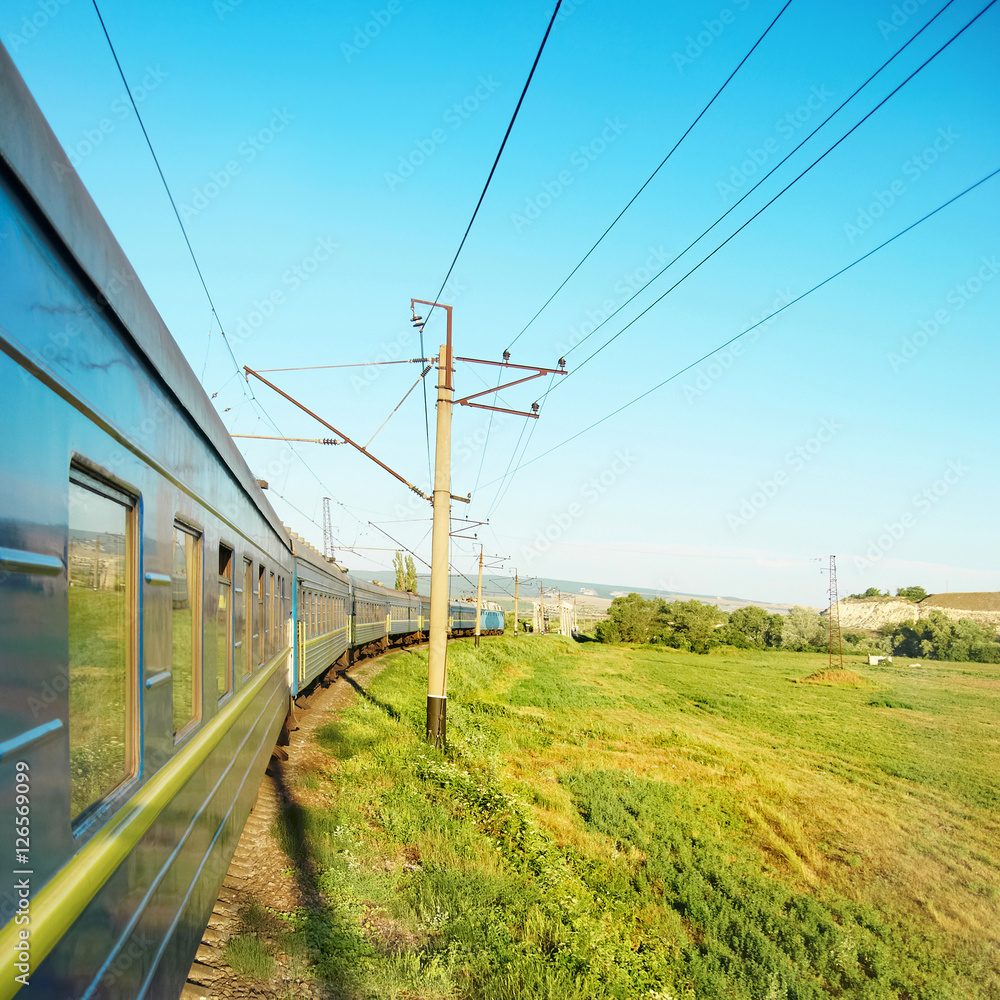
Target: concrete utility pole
(437,645)
(515,604)
(479,596)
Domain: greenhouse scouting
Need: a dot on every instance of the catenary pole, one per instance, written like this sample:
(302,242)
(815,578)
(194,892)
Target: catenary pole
(437,652)
(515,604)
(479,596)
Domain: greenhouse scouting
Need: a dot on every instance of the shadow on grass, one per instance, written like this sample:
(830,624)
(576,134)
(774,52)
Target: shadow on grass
(327,933)
(388,709)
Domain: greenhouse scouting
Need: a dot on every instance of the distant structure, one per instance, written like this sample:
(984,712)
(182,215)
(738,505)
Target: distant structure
(834,615)
(327,529)
(557,614)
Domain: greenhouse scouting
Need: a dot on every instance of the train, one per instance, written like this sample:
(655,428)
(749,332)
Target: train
(157,617)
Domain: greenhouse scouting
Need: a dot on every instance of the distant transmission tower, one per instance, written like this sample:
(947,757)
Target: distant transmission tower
(834,615)
(327,529)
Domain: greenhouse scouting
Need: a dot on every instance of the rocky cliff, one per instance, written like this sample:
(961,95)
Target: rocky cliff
(983,608)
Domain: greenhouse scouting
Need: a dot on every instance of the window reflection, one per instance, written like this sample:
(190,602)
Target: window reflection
(99,641)
(185,624)
(224,624)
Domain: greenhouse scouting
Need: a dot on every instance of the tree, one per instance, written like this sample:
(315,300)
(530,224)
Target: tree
(938,637)
(411,576)
(911,593)
(690,625)
(400,567)
(628,620)
(754,627)
(803,629)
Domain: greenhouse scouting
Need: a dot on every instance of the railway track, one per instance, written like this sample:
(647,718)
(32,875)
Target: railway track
(261,872)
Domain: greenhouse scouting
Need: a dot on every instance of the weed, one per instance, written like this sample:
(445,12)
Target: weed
(247,956)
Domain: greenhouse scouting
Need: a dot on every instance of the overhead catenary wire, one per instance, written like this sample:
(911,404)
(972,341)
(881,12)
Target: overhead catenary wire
(166,186)
(475,211)
(354,364)
(649,179)
(743,333)
(246,388)
(767,205)
(399,404)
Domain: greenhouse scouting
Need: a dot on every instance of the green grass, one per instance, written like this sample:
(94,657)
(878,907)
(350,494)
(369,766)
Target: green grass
(641,823)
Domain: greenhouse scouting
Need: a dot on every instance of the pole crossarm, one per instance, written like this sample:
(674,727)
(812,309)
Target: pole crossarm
(507,364)
(500,409)
(464,401)
(249,371)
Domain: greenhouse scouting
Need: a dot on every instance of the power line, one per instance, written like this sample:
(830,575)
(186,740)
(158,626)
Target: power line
(510,126)
(651,176)
(475,212)
(166,186)
(201,277)
(708,256)
(766,319)
(767,205)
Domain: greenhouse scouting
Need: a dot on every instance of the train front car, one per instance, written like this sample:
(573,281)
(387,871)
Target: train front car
(491,618)
(145,600)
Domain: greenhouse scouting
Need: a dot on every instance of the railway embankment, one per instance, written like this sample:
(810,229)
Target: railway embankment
(254,946)
(625,822)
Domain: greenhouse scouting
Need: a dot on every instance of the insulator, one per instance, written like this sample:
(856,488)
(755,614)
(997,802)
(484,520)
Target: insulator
(506,355)
(534,407)
(416,318)
(562,362)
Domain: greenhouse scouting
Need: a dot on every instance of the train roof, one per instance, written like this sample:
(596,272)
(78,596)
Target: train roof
(33,155)
(308,552)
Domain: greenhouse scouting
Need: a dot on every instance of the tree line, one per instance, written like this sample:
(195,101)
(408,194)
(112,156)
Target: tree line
(697,627)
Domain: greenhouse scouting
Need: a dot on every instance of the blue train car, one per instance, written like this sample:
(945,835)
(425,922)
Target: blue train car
(156,617)
(145,605)
(323,614)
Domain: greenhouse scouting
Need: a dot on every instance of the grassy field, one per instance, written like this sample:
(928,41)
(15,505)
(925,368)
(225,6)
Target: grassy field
(643,823)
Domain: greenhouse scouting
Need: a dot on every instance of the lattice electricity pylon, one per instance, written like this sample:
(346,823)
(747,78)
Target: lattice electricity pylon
(327,529)
(834,615)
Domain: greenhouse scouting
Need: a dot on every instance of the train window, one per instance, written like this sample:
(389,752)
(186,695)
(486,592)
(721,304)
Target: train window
(224,624)
(185,592)
(248,606)
(265,624)
(272,618)
(258,616)
(101,592)
(284,611)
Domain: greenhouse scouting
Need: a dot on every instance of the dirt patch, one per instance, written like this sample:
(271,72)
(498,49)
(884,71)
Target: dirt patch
(836,677)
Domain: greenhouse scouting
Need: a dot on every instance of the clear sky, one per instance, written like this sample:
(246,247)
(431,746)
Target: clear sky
(327,158)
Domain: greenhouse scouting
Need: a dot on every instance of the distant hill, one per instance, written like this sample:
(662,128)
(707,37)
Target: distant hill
(597,594)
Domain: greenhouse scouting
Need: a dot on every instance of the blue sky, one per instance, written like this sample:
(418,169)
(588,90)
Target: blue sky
(327,159)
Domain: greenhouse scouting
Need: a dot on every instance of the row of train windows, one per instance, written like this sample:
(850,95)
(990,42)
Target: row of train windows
(102,569)
(367,613)
(322,612)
